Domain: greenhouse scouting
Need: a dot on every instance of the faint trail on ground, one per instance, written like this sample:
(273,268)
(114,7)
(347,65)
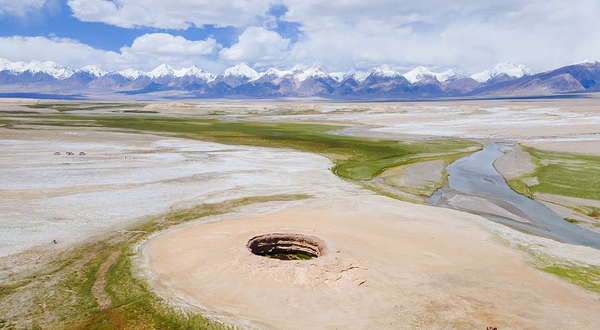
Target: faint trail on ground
(98,288)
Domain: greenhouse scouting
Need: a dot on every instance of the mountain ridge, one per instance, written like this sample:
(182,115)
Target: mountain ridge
(504,79)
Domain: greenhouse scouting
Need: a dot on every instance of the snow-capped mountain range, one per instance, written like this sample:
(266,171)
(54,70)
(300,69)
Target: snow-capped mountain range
(243,70)
(241,80)
(51,68)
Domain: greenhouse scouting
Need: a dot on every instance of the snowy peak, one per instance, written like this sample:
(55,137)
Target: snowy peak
(5,64)
(276,72)
(93,70)
(421,73)
(448,75)
(509,69)
(314,72)
(417,74)
(162,70)
(13,67)
(297,69)
(587,62)
(339,76)
(297,72)
(131,74)
(50,68)
(194,71)
(241,70)
(384,71)
(165,70)
(273,73)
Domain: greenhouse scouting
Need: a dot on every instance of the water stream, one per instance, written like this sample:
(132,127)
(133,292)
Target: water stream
(475,186)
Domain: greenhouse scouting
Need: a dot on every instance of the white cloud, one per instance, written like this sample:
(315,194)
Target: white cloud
(464,34)
(61,50)
(469,35)
(145,53)
(150,50)
(167,44)
(20,7)
(172,14)
(257,45)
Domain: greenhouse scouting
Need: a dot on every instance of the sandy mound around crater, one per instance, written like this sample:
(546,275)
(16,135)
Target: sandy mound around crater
(389,265)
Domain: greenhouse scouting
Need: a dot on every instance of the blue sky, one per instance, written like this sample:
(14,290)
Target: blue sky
(58,20)
(466,35)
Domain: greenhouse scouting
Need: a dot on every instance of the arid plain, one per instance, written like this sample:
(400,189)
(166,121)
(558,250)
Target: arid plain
(152,213)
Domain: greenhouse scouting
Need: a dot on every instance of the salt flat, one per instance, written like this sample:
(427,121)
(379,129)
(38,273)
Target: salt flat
(124,178)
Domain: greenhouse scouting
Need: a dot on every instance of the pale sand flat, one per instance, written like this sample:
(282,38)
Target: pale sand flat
(390,265)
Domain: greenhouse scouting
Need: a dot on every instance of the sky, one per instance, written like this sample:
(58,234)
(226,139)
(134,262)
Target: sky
(340,35)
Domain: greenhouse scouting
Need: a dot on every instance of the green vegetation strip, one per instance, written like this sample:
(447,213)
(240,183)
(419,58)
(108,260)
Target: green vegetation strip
(77,106)
(354,158)
(586,276)
(61,296)
(561,173)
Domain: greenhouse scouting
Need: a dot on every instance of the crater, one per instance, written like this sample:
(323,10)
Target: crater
(285,246)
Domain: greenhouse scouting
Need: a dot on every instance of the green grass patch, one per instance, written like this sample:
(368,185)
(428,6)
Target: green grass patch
(571,220)
(519,186)
(586,276)
(16,112)
(58,295)
(65,107)
(7,289)
(590,211)
(561,173)
(139,111)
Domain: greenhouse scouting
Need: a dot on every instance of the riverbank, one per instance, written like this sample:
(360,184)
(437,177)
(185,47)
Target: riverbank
(565,181)
(476,187)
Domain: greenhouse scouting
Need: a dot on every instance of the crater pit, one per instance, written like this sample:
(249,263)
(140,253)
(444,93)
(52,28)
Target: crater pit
(286,246)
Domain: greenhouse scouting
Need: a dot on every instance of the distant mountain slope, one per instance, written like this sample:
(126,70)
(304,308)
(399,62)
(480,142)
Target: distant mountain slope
(504,79)
(582,77)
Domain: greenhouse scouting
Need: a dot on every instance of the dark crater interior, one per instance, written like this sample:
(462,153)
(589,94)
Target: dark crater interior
(287,246)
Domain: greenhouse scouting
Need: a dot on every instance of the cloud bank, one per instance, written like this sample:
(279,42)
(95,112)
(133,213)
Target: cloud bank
(340,35)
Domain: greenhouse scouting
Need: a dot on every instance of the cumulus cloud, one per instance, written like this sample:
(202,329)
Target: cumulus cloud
(145,53)
(173,14)
(257,45)
(61,50)
(20,7)
(167,44)
(465,34)
(149,50)
(469,35)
